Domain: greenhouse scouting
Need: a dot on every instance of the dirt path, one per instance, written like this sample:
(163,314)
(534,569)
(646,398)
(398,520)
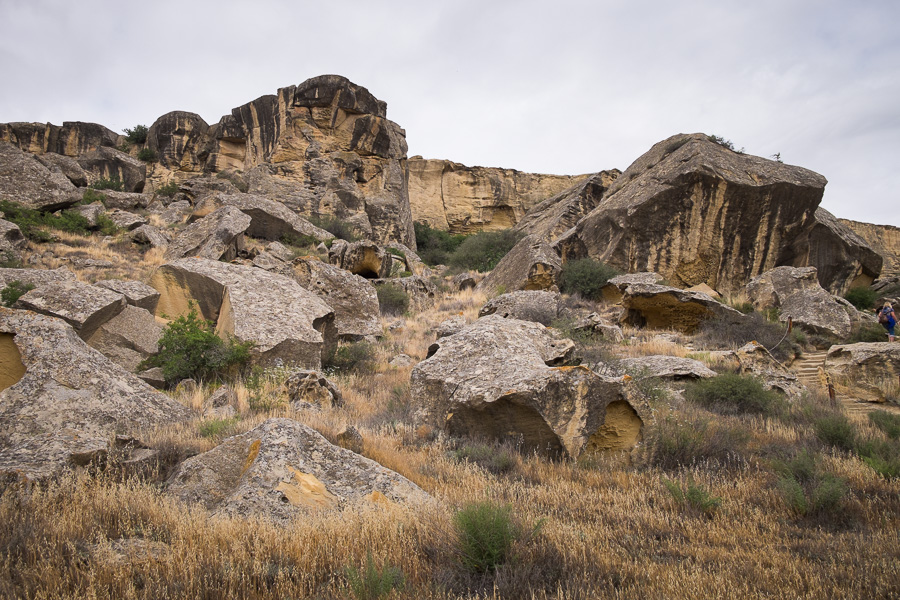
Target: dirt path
(807,370)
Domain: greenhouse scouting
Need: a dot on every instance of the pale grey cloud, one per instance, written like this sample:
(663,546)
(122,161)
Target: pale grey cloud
(561,87)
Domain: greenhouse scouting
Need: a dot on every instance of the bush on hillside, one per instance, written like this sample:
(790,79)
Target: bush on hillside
(863,298)
(147,155)
(392,299)
(109,183)
(13,291)
(585,277)
(137,134)
(726,334)
(730,393)
(435,246)
(337,227)
(482,251)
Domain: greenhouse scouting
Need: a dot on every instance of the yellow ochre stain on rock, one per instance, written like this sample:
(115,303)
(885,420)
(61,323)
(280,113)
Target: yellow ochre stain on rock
(251,456)
(306,490)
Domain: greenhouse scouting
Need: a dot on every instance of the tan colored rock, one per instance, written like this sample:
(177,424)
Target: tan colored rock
(136,293)
(178,138)
(461,199)
(499,379)
(283,470)
(26,181)
(364,258)
(532,264)
(663,307)
(72,138)
(151,236)
(556,215)
(614,289)
(867,370)
(126,220)
(128,338)
(594,324)
(351,439)
(84,307)
(269,220)
(422,292)
(531,305)
(353,298)
(667,367)
(842,259)
(884,240)
(702,287)
(289,324)
(109,163)
(218,236)
(697,212)
(70,401)
(306,388)
(798,295)
(35,277)
(755,360)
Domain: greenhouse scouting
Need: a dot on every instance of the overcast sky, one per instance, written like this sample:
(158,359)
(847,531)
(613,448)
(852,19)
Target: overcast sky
(560,87)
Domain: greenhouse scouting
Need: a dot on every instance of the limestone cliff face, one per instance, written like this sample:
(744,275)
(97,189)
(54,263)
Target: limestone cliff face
(461,199)
(842,258)
(554,216)
(72,138)
(884,239)
(696,212)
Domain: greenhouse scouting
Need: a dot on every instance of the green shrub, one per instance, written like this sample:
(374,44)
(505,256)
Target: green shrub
(137,134)
(836,430)
(886,422)
(235,179)
(70,222)
(680,441)
(882,456)
(10,260)
(806,489)
(13,291)
(482,251)
(372,582)
(147,155)
(496,459)
(112,183)
(435,246)
(358,357)
(585,277)
(693,496)
(190,348)
(338,228)
(168,190)
(29,221)
(868,332)
(215,428)
(90,196)
(732,393)
(106,226)
(723,142)
(485,535)
(299,240)
(392,299)
(862,298)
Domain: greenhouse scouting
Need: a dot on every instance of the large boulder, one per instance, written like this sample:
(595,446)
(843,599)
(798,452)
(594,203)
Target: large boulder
(289,324)
(450,196)
(178,139)
(842,259)
(554,216)
(24,180)
(353,298)
(532,264)
(109,163)
(85,307)
(532,305)
(867,370)
(884,240)
(698,212)
(797,294)
(35,277)
(61,402)
(12,241)
(217,236)
(282,470)
(67,165)
(128,338)
(667,367)
(503,379)
(755,360)
(614,289)
(270,220)
(364,258)
(664,307)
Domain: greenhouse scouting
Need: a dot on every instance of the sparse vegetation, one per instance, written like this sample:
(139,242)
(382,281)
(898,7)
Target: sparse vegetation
(13,291)
(167,190)
(90,196)
(693,496)
(486,533)
(482,251)
(730,393)
(729,335)
(190,348)
(235,178)
(136,134)
(108,183)
(434,246)
(863,298)
(372,582)
(147,155)
(585,277)
(358,357)
(33,223)
(337,227)
(392,299)
(725,143)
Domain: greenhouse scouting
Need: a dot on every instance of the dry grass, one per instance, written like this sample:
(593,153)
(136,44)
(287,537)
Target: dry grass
(609,529)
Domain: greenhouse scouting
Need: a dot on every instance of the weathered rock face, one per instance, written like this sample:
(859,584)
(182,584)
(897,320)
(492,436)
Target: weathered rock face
(798,295)
(61,402)
(554,216)
(128,338)
(217,236)
(884,240)
(180,141)
(869,368)
(842,258)
(73,138)
(667,367)
(11,241)
(24,180)
(65,164)
(594,324)
(310,388)
(84,307)
(461,199)
(364,258)
(614,290)
(532,264)
(755,360)
(109,163)
(282,470)
(696,212)
(35,277)
(269,220)
(498,378)
(289,324)
(353,298)
(150,235)
(422,292)
(663,307)
(534,305)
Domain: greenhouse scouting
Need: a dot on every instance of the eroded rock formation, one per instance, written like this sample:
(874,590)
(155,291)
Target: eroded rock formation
(884,240)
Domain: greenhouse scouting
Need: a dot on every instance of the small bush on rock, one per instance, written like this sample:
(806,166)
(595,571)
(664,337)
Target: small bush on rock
(13,291)
(90,196)
(147,155)
(338,228)
(112,183)
(190,348)
(235,178)
(585,277)
(168,190)
(136,134)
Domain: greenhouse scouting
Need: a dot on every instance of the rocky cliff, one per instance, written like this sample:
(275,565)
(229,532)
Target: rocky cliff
(450,196)
(884,239)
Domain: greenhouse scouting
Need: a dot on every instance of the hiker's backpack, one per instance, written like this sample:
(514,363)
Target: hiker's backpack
(884,315)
